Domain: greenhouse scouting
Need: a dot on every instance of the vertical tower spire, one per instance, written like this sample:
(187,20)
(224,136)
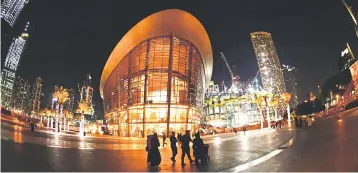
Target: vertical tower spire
(350,11)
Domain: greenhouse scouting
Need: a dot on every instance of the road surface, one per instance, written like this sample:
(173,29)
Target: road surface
(329,145)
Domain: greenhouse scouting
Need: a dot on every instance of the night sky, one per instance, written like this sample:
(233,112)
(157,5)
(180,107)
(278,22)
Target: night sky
(71,38)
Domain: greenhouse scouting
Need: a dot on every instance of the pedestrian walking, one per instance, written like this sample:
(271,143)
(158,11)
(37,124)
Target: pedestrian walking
(173,146)
(164,139)
(155,154)
(296,123)
(301,122)
(199,149)
(185,148)
(148,149)
(244,130)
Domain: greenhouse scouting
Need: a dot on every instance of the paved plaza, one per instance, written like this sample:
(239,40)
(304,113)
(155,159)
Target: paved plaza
(329,145)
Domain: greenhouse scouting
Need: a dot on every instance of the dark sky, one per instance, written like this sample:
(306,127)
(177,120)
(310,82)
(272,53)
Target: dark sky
(71,38)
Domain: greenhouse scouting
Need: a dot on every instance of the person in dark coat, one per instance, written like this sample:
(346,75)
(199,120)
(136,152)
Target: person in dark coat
(148,148)
(173,146)
(199,149)
(296,122)
(185,148)
(155,154)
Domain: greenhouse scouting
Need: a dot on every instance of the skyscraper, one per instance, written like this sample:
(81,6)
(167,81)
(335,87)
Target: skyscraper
(36,94)
(8,73)
(351,13)
(10,10)
(291,83)
(70,103)
(268,62)
(87,90)
(21,94)
(346,59)
(86,93)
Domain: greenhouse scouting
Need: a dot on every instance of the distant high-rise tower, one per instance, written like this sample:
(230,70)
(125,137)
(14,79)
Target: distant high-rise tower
(70,103)
(354,17)
(268,62)
(87,90)
(36,94)
(86,93)
(346,59)
(21,94)
(291,83)
(8,73)
(10,10)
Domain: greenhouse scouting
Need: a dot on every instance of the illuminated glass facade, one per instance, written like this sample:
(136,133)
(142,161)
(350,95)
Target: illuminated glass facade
(155,78)
(158,72)
(21,94)
(10,10)
(268,62)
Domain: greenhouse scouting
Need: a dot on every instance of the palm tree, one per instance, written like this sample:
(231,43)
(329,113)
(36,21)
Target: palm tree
(274,104)
(61,94)
(83,107)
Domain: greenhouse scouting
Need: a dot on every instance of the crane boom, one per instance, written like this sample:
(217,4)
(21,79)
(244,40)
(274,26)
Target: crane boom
(227,65)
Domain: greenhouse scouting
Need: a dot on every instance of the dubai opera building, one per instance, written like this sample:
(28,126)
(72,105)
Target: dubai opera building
(155,78)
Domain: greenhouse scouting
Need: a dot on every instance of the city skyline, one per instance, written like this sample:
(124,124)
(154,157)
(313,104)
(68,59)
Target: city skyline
(93,37)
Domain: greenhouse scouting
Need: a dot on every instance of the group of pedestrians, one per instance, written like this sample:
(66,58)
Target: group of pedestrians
(302,122)
(154,157)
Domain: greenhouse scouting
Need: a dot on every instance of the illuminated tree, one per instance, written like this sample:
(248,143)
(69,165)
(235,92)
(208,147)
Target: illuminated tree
(61,94)
(83,107)
(274,104)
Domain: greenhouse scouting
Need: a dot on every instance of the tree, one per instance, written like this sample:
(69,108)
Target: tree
(309,107)
(61,94)
(332,84)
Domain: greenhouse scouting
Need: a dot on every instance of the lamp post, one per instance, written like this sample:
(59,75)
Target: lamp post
(56,117)
(82,124)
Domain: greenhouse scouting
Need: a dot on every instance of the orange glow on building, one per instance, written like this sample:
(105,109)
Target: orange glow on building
(354,73)
(155,78)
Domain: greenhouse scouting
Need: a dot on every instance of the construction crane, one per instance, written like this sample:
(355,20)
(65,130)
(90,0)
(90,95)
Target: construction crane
(233,77)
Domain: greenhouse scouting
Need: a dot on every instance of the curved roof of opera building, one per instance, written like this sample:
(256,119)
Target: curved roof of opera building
(183,24)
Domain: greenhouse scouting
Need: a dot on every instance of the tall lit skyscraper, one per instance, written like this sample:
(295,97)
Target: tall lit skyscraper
(36,94)
(86,93)
(70,103)
(8,73)
(87,90)
(10,10)
(346,59)
(21,94)
(268,62)
(354,17)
